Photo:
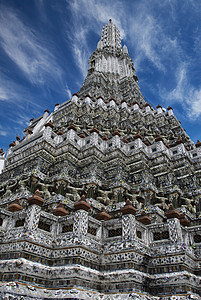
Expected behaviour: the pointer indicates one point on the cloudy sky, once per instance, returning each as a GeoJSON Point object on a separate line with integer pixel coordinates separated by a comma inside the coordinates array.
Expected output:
{"type": "Point", "coordinates": [45, 46]}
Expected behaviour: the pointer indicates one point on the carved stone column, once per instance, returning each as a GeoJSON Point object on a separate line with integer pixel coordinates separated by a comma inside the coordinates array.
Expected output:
{"type": "Point", "coordinates": [33, 213]}
{"type": "Point", "coordinates": [128, 227]}
{"type": "Point", "coordinates": [173, 217]}
{"type": "Point", "coordinates": [128, 221]}
{"type": "Point", "coordinates": [80, 226]}
{"type": "Point", "coordinates": [175, 232]}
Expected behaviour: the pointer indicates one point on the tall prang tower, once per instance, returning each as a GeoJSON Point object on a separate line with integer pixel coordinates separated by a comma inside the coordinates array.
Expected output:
{"type": "Point", "coordinates": [101, 198]}
{"type": "Point", "coordinates": [111, 71]}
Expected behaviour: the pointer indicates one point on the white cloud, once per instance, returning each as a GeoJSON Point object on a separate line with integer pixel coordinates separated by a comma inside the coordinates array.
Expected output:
{"type": "Point", "coordinates": [26, 49]}
{"type": "Point", "coordinates": [144, 32]}
{"type": "Point", "coordinates": [3, 133]}
{"type": "Point", "coordinates": [98, 13]}
{"type": "Point", "coordinates": [150, 38]}
{"type": "Point", "coordinates": [3, 94]}
{"type": "Point", "coordinates": [68, 91]}
{"type": "Point", "coordinates": [184, 93]}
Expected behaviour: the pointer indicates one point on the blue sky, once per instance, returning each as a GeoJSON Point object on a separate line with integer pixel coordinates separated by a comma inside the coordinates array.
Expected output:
{"type": "Point", "coordinates": [45, 46]}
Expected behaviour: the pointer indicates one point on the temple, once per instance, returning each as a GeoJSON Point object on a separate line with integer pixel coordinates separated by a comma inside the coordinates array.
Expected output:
{"type": "Point", "coordinates": [101, 198]}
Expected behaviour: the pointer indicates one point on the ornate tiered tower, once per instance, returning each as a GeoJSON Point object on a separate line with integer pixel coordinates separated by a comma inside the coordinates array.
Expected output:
{"type": "Point", "coordinates": [101, 198]}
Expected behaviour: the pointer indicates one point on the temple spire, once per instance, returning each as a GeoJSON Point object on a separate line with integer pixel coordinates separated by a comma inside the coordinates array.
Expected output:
{"type": "Point", "coordinates": [111, 67]}
{"type": "Point", "coordinates": [110, 37]}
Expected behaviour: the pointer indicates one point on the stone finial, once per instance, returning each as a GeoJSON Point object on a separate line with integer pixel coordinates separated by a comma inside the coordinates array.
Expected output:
{"type": "Point", "coordinates": [179, 141]}
{"type": "Point", "coordinates": [104, 138]}
{"type": "Point", "coordinates": [30, 131]}
{"type": "Point", "coordinates": [116, 132]}
{"type": "Point", "coordinates": [198, 144]}
{"type": "Point", "coordinates": [60, 132]}
{"type": "Point", "coordinates": [36, 199]}
{"type": "Point", "coordinates": [82, 135]}
{"type": "Point", "coordinates": [147, 104]}
{"type": "Point", "coordinates": [172, 212]}
{"type": "Point", "coordinates": [146, 142]}
{"type": "Point", "coordinates": [158, 106]}
{"type": "Point", "coordinates": [82, 204]}
{"type": "Point", "coordinates": [128, 208]}
{"type": "Point", "coordinates": [47, 110]}
{"type": "Point", "coordinates": [183, 220]}
{"type": "Point", "coordinates": [158, 139]}
{"type": "Point", "coordinates": [124, 140]}
{"type": "Point", "coordinates": [15, 206]}
{"type": "Point", "coordinates": [137, 136]}
{"type": "Point", "coordinates": [17, 138]}
{"type": "Point", "coordinates": [103, 215]}
{"type": "Point", "coordinates": [49, 124]}
{"type": "Point", "coordinates": [72, 126]}
{"type": "Point", "coordinates": [144, 219]}
{"type": "Point", "coordinates": [57, 104]}
{"type": "Point", "coordinates": [94, 130]}
{"type": "Point", "coordinates": [60, 210]}
{"type": "Point", "coordinates": [1, 151]}
{"type": "Point", "coordinates": [169, 108]}
{"type": "Point", "coordinates": [12, 144]}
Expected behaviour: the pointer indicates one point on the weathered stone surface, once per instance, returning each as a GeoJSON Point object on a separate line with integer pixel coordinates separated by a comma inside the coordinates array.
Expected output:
{"type": "Point", "coordinates": [91, 154]}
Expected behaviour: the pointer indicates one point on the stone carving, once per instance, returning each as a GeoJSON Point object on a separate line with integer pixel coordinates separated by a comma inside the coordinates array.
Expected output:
{"type": "Point", "coordinates": [100, 159]}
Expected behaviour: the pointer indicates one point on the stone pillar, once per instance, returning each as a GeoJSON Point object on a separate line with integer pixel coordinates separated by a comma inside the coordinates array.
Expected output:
{"type": "Point", "coordinates": [116, 141]}
{"type": "Point", "coordinates": [136, 106]}
{"type": "Point", "coordinates": [2, 161]}
{"type": "Point", "coordinates": [59, 138]}
{"type": "Point", "coordinates": [137, 141]}
{"type": "Point", "coordinates": [170, 111]}
{"type": "Point", "coordinates": [159, 109]}
{"type": "Point", "coordinates": [33, 213]}
{"type": "Point", "coordinates": [71, 132]}
{"type": "Point", "coordinates": [32, 219]}
{"type": "Point", "coordinates": [128, 221]}
{"type": "Point", "coordinates": [100, 102]}
{"type": "Point", "coordinates": [48, 130]}
{"type": "Point", "coordinates": [128, 227]}
{"type": "Point", "coordinates": [80, 226]}
{"type": "Point", "coordinates": [175, 231]}
{"type": "Point", "coordinates": [94, 138]}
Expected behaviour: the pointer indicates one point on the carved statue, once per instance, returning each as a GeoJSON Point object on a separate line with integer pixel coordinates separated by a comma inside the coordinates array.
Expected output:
{"type": "Point", "coordinates": [22, 183]}
{"type": "Point", "coordinates": [74, 195]}
{"type": "Point", "coordinates": [161, 202]}
{"type": "Point", "coordinates": [45, 190]}
{"type": "Point", "coordinates": [9, 186]}
{"type": "Point", "coordinates": [104, 196]}
{"type": "Point", "coordinates": [188, 204]}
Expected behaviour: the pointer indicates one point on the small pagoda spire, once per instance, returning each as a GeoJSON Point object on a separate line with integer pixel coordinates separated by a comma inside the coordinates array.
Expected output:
{"type": "Point", "coordinates": [144, 219]}
{"type": "Point", "coordinates": [15, 206]}
{"type": "Point", "coordinates": [82, 204]}
{"type": "Point", "coordinates": [103, 215]}
{"type": "Point", "coordinates": [60, 210]}
{"type": "Point", "coordinates": [36, 199]}
{"type": "Point", "coordinates": [128, 208]}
